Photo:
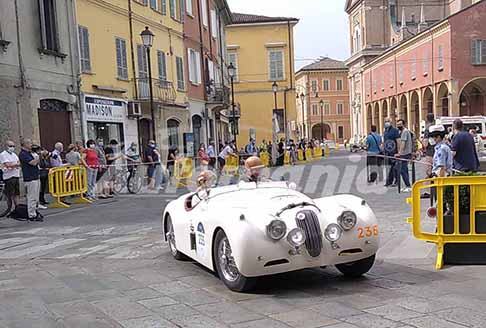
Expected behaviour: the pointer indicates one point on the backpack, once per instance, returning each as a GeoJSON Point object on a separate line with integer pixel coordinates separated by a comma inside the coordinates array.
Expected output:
{"type": "Point", "coordinates": [21, 213]}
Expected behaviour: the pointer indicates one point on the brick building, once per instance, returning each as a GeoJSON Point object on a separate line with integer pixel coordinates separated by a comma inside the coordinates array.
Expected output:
{"type": "Point", "coordinates": [440, 70]}
{"type": "Point", "coordinates": [392, 39]}
{"type": "Point", "coordinates": [323, 100]}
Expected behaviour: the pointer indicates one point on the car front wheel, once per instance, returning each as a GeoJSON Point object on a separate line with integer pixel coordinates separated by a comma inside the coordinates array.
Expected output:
{"type": "Point", "coordinates": [170, 236]}
{"type": "Point", "coordinates": [226, 266]}
{"type": "Point", "coordinates": [358, 268]}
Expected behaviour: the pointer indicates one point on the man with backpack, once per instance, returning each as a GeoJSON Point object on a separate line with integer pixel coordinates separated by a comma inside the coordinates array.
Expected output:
{"type": "Point", "coordinates": [374, 160]}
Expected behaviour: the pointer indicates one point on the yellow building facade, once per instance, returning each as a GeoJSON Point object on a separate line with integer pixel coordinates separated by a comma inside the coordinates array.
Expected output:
{"type": "Point", "coordinates": [262, 50]}
{"type": "Point", "coordinates": [114, 71]}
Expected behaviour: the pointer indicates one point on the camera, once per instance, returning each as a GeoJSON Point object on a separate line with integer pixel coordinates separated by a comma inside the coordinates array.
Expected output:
{"type": "Point", "coordinates": [36, 148]}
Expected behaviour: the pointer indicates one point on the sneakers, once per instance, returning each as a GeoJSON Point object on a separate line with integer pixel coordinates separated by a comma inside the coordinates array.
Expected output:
{"type": "Point", "coordinates": [407, 189]}
{"type": "Point", "coordinates": [41, 207]}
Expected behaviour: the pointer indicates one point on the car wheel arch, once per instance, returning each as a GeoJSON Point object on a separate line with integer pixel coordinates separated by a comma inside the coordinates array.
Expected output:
{"type": "Point", "coordinates": [213, 255]}
{"type": "Point", "coordinates": [164, 224]}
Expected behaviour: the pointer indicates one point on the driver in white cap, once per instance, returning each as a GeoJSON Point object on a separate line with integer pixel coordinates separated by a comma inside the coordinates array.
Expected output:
{"type": "Point", "coordinates": [443, 159]}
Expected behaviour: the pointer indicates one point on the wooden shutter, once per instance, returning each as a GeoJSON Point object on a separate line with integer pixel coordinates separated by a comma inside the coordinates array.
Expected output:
{"type": "Point", "coordinates": [482, 44]}
{"type": "Point", "coordinates": [172, 8]}
{"type": "Point", "coordinates": [142, 62]}
{"type": "Point", "coordinates": [42, 22]}
{"type": "Point", "coordinates": [84, 49]}
{"type": "Point", "coordinates": [121, 58]}
{"type": "Point", "coordinates": [119, 70]}
{"type": "Point", "coordinates": [198, 67]}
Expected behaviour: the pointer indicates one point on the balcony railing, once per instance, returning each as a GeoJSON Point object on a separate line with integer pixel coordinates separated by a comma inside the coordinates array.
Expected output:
{"type": "Point", "coordinates": [218, 94]}
{"type": "Point", "coordinates": [163, 91]}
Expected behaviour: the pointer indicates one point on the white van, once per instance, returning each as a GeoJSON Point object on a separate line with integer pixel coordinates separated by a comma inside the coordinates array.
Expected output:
{"type": "Point", "coordinates": [477, 123]}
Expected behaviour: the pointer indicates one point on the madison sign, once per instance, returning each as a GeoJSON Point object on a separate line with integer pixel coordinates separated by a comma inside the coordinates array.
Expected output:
{"type": "Point", "coordinates": [104, 109]}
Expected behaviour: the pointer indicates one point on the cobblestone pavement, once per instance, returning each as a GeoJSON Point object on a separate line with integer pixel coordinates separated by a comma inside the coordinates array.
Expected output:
{"type": "Point", "coordinates": [106, 266]}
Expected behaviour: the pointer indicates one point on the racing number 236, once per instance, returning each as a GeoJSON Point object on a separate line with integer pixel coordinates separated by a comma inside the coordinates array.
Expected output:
{"type": "Point", "coordinates": [368, 231]}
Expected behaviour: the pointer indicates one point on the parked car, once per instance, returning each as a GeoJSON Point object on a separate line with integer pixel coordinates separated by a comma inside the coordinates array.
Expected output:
{"type": "Point", "coordinates": [249, 230]}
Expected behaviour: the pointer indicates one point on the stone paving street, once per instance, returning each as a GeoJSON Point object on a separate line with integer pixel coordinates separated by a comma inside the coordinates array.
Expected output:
{"type": "Point", "coordinates": [107, 266]}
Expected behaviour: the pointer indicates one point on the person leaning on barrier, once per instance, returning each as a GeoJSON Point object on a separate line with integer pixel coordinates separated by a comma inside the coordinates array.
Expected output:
{"type": "Point", "coordinates": [442, 161]}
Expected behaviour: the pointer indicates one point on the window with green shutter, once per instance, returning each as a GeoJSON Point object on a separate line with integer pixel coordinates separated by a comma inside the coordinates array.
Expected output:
{"type": "Point", "coordinates": [121, 59]}
{"type": "Point", "coordinates": [172, 8]}
{"type": "Point", "coordinates": [180, 74]}
{"type": "Point", "coordinates": [162, 65]}
{"type": "Point", "coordinates": [84, 49]}
{"type": "Point", "coordinates": [276, 69]}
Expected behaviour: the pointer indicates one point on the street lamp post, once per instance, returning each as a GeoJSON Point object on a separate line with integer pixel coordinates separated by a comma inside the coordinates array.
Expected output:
{"type": "Point", "coordinates": [322, 119]}
{"type": "Point", "coordinates": [232, 72]}
{"type": "Point", "coordinates": [148, 40]}
{"type": "Point", "coordinates": [274, 127]}
{"type": "Point", "coordinates": [302, 99]}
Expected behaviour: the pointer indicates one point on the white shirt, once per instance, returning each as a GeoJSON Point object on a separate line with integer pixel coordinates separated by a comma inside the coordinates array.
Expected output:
{"type": "Point", "coordinates": [6, 157]}
{"type": "Point", "coordinates": [225, 152]}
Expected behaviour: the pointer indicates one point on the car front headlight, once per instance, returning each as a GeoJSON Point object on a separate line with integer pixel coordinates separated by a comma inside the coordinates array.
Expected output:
{"type": "Point", "coordinates": [296, 237]}
{"type": "Point", "coordinates": [333, 232]}
{"type": "Point", "coordinates": [347, 220]}
{"type": "Point", "coordinates": [276, 230]}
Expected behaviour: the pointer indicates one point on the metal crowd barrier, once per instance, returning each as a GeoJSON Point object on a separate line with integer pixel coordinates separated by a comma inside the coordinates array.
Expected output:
{"type": "Point", "coordinates": [459, 211]}
{"type": "Point", "coordinates": [232, 164]}
{"type": "Point", "coordinates": [183, 170]}
{"type": "Point", "coordinates": [265, 157]}
{"type": "Point", "coordinates": [67, 181]}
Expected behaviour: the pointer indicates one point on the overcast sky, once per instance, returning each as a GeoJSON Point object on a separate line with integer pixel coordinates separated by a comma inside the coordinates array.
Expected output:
{"type": "Point", "coordinates": [322, 30]}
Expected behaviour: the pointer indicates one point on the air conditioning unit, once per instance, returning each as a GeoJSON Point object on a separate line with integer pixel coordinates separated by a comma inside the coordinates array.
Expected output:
{"type": "Point", "coordinates": [134, 109]}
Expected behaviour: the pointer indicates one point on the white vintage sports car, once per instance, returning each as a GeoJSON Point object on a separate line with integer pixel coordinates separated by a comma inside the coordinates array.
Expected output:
{"type": "Point", "coordinates": [250, 229]}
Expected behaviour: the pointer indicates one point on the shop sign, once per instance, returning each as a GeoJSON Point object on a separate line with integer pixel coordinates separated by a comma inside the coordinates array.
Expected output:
{"type": "Point", "coordinates": [104, 109]}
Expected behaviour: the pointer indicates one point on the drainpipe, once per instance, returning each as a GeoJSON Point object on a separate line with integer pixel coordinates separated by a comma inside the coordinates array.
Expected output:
{"type": "Point", "coordinates": [76, 76]}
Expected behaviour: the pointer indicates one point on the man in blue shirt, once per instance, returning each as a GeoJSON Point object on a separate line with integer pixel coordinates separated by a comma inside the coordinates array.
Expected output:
{"type": "Point", "coordinates": [390, 148]}
{"type": "Point", "coordinates": [29, 162]}
{"type": "Point", "coordinates": [373, 160]}
{"type": "Point", "coordinates": [464, 149]}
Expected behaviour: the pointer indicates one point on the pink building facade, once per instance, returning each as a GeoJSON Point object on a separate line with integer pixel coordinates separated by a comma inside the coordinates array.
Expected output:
{"type": "Point", "coordinates": [441, 70]}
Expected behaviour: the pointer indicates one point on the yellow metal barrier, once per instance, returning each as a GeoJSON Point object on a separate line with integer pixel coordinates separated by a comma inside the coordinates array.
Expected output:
{"type": "Point", "coordinates": [453, 225]}
{"type": "Point", "coordinates": [183, 169]}
{"type": "Point", "coordinates": [308, 154]}
{"type": "Point", "coordinates": [318, 152]}
{"type": "Point", "coordinates": [265, 157]}
{"type": "Point", "coordinates": [232, 164]}
{"type": "Point", "coordinates": [286, 158]}
{"type": "Point", "coordinates": [300, 155]}
{"type": "Point", "coordinates": [327, 151]}
{"type": "Point", "coordinates": [67, 181]}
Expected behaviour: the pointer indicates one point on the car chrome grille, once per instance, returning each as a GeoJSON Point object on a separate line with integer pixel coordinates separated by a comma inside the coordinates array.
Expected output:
{"type": "Point", "coordinates": [309, 222]}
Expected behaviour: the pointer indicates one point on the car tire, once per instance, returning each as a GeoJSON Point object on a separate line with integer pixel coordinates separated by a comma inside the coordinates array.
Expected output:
{"type": "Point", "coordinates": [235, 281]}
{"type": "Point", "coordinates": [358, 268]}
{"type": "Point", "coordinates": [169, 231]}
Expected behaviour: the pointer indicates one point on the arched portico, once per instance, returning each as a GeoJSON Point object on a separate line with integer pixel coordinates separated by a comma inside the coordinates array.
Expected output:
{"type": "Point", "coordinates": [472, 100]}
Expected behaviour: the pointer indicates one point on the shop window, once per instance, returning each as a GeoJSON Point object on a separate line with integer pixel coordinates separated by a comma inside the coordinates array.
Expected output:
{"type": "Point", "coordinates": [278, 114]}
{"type": "Point", "coordinates": [106, 131]}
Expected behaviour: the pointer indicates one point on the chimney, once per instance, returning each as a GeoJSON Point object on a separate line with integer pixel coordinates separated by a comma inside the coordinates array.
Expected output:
{"type": "Point", "coordinates": [423, 24]}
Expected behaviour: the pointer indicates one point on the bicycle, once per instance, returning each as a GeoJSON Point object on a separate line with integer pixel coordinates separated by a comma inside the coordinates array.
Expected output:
{"type": "Point", "coordinates": [5, 201]}
{"type": "Point", "coordinates": [133, 180]}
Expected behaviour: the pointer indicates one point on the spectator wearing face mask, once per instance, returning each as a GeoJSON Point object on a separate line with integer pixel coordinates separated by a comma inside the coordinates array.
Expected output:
{"type": "Point", "coordinates": [390, 148]}
{"type": "Point", "coordinates": [91, 159]}
{"type": "Point", "coordinates": [44, 167]}
{"type": "Point", "coordinates": [29, 160]}
{"type": "Point", "coordinates": [405, 149]}
{"type": "Point", "coordinates": [10, 164]}
{"type": "Point", "coordinates": [152, 159]}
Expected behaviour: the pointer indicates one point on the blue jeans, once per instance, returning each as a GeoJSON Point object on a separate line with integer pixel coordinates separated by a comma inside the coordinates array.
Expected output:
{"type": "Point", "coordinates": [92, 173]}
{"type": "Point", "coordinates": [403, 169]}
